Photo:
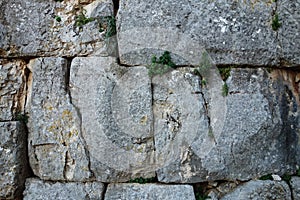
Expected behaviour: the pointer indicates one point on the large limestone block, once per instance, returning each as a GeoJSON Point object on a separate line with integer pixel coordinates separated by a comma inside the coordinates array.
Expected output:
{"type": "Point", "coordinates": [12, 87]}
{"type": "Point", "coordinates": [233, 32]}
{"type": "Point", "coordinates": [13, 159]}
{"type": "Point", "coordinates": [149, 192]}
{"type": "Point", "coordinates": [56, 148]}
{"type": "Point", "coordinates": [295, 186]}
{"type": "Point", "coordinates": [48, 28]}
{"type": "Point", "coordinates": [115, 105]}
{"type": "Point", "coordinates": [42, 190]}
{"type": "Point", "coordinates": [289, 32]}
{"type": "Point", "coordinates": [257, 190]}
{"type": "Point", "coordinates": [200, 136]}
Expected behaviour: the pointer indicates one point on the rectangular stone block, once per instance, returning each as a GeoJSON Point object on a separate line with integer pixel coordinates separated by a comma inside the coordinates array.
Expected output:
{"type": "Point", "coordinates": [149, 192]}
{"type": "Point", "coordinates": [232, 32]}
{"type": "Point", "coordinates": [13, 159]}
{"type": "Point", "coordinates": [38, 189]}
{"type": "Point", "coordinates": [289, 32]}
{"type": "Point", "coordinates": [12, 87]}
{"type": "Point", "coordinates": [115, 104]}
{"type": "Point", "coordinates": [201, 135]}
{"type": "Point", "coordinates": [56, 148]}
{"type": "Point", "coordinates": [56, 28]}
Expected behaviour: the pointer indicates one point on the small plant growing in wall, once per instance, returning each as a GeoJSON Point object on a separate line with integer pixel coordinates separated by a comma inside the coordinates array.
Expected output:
{"type": "Point", "coordinates": [108, 24]}
{"type": "Point", "coordinates": [161, 65]}
{"type": "Point", "coordinates": [22, 117]}
{"type": "Point", "coordinates": [225, 90]}
{"type": "Point", "coordinates": [275, 22]}
{"type": "Point", "coordinates": [142, 180]}
{"type": "Point", "coordinates": [81, 19]}
{"type": "Point", "coordinates": [225, 73]}
{"type": "Point", "coordinates": [57, 18]}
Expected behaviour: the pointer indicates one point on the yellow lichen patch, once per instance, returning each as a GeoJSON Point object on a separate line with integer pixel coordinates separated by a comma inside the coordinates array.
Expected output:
{"type": "Point", "coordinates": [67, 115]}
{"type": "Point", "coordinates": [144, 120]}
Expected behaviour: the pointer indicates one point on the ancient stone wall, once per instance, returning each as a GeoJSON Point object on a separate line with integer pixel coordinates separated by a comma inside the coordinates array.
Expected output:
{"type": "Point", "coordinates": [153, 99]}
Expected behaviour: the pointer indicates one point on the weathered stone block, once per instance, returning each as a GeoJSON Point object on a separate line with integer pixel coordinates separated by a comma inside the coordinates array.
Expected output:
{"type": "Point", "coordinates": [115, 105]}
{"type": "Point", "coordinates": [13, 159]}
{"type": "Point", "coordinates": [38, 189]}
{"type": "Point", "coordinates": [56, 148]}
{"type": "Point", "coordinates": [53, 28]}
{"type": "Point", "coordinates": [295, 186]}
{"type": "Point", "coordinates": [149, 192]}
{"type": "Point", "coordinates": [232, 32]}
{"type": "Point", "coordinates": [260, 190]}
{"type": "Point", "coordinates": [12, 86]}
{"type": "Point", "coordinates": [289, 32]}
{"type": "Point", "coordinates": [200, 136]}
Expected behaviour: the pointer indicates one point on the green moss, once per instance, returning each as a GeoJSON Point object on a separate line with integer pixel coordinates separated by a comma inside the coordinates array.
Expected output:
{"type": "Point", "coordinates": [108, 24]}
{"type": "Point", "coordinates": [275, 23]}
{"type": "Point", "coordinates": [81, 20]}
{"type": "Point", "coordinates": [225, 90]}
{"type": "Point", "coordinates": [224, 72]}
{"type": "Point", "coordinates": [161, 65]}
{"type": "Point", "coordinates": [22, 117]}
{"type": "Point", "coordinates": [266, 177]}
{"type": "Point", "coordinates": [286, 177]}
{"type": "Point", "coordinates": [58, 18]}
{"type": "Point", "coordinates": [142, 180]}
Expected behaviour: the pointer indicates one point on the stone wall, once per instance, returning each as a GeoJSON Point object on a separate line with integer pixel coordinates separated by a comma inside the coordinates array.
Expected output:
{"type": "Point", "coordinates": [152, 99]}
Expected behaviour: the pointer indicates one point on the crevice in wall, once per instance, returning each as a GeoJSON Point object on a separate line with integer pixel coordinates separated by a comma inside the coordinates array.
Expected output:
{"type": "Point", "coordinates": [27, 93]}
{"type": "Point", "coordinates": [105, 185]}
{"type": "Point", "coordinates": [116, 6]}
{"type": "Point", "coordinates": [153, 120]}
{"type": "Point", "coordinates": [67, 87]}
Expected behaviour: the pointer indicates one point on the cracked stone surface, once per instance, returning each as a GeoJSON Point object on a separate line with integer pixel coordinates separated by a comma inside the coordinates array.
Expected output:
{"type": "Point", "coordinates": [258, 137]}
{"type": "Point", "coordinates": [38, 189]}
{"type": "Point", "coordinates": [115, 107]}
{"type": "Point", "coordinates": [31, 28]}
{"type": "Point", "coordinates": [13, 159]}
{"type": "Point", "coordinates": [232, 32]}
{"type": "Point", "coordinates": [260, 190]}
{"type": "Point", "coordinates": [149, 191]}
{"type": "Point", "coordinates": [12, 87]}
{"type": "Point", "coordinates": [56, 147]}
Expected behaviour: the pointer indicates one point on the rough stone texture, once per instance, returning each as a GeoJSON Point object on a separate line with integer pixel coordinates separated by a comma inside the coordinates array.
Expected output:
{"type": "Point", "coordinates": [232, 32]}
{"type": "Point", "coordinates": [257, 190]}
{"type": "Point", "coordinates": [56, 148]}
{"type": "Point", "coordinates": [258, 136]}
{"type": "Point", "coordinates": [295, 186]}
{"type": "Point", "coordinates": [149, 192]}
{"type": "Point", "coordinates": [12, 87]}
{"type": "Point", "coordinates": [13, 159]}
{"type": "Point", "coordinates": [114, 103]}
{"type": "Point", "coordinates": [29, 28]}
{"type": "Point", "coordinates": [289, 32]}
{"type": "Point", "coordinates": [42, 190]}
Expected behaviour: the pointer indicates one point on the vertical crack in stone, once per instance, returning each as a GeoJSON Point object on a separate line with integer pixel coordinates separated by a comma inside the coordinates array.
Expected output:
{"type": "Point", "coordinates": [153, 121]}
{"type": "Point", "coordinates": [67, 86]}
{"type": "Point", "coordinates": [116, 6]}
{"type": "Point", "coordinates": [206, 108]}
